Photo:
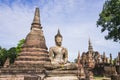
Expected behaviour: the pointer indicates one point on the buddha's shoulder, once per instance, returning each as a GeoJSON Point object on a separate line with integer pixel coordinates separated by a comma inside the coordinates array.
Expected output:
{"type": "Point", "coordinates": [53, 47]}
{"type": "Point", "coordinates": [64, 48]}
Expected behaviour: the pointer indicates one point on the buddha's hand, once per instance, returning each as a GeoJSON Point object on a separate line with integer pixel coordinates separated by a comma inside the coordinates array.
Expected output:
{"type": "Point", "coordinates": [61, 62]}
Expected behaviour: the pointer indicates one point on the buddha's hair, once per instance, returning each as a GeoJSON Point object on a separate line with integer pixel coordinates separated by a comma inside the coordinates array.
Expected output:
{"type": "Point", "coordinates": [58, 35]}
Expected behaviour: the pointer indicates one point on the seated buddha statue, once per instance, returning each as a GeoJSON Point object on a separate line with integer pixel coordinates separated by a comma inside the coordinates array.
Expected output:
{"type": "Point", "coordinates": [59, 55]}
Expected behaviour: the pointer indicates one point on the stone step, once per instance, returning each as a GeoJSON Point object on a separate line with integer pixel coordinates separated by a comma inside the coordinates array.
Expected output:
{"type": "Point", "coordinates": [24, 65]}
{"type": "Point", "coordinates": [21, 70]}
{"type": "Point", "coordinates": [33, 54]}
{"type": "Point", "coordinates": [62, 78]}
{"type": "Point", "coordinates": [31, 62]}
{"type": "Point", "coordinates": [32, 49]}
{"type": "Point", "coordinates": [32, 59]}
{"type": "Point", "coordinates": [64, 73]}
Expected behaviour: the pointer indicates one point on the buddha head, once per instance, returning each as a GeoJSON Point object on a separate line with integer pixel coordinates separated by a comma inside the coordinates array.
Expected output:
{"type": "Point", "coordinates": [58, 39]}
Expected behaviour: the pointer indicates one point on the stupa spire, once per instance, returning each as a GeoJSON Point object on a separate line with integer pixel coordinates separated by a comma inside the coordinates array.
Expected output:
{"type": "Point", "coordinates": [90, 48]}
{"type": "Point", "coordinates": [36, 21]}
{"type": "Point", "coordinates": [78, 55]}
{"type": "Point", "coordinates": [36, 37]}
{"type": "Point", "coordinates": [78, 61]}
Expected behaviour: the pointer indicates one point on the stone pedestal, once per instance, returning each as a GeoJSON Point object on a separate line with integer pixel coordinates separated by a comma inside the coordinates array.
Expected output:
{"type": "Point", "coordinates": [63, 75]}
{"type": "Point", "coordinates": [11, 77]}
{"type": "Point", "coordinates": [62, 78]}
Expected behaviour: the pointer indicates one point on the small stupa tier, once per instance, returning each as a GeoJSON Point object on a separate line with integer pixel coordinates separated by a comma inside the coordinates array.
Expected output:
{"type": "Point", "coordinates": [34, 50]}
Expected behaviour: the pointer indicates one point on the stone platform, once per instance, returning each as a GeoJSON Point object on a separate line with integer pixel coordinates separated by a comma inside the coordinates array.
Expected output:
{"type": "Point", "coordinates": [21, 73]}
{"type": "Point", "coordinates": [62, 78]}
{"type": "Point", "coordinates": [35, 77]}
{"type": "Point", "coordinates": [32, 74]}
{"type": "Point", "coordinates": [36, 73]}
{"type": "Point", "coordinates": [63, 75]}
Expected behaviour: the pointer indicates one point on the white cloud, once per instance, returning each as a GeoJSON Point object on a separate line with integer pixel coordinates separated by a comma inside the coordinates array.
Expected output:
{"type": "Point", "coordinates": [15, 24]}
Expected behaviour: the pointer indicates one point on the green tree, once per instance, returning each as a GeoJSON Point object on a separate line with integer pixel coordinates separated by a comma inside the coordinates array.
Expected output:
{"type": "Point", "coordinates": [12, 54]}
{"type": "Point", "coordinates": [109, 19]}
{"type": "Point", "coordinates": [75, 60]}
{"type": "Point", "coordinates": [3, 55]}
{"type": "Point", "coordinates": [19, 45]}
{"type": "Point", "coordinates": [14, 51]}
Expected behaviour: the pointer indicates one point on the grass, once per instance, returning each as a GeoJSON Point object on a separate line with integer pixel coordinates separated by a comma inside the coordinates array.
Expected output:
{"type": "Point", "coordinates": [99, 78]}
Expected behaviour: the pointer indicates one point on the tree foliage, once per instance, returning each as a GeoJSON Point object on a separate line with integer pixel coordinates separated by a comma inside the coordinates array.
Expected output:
{"type": "Point", "coordinates": [109, 19]}
{"type": "Point", "coordinates": [75, 60]}
{"type": "Point", "coordinates": [3, 55]}
{"type": "Point", "coordinates": [10, 53]}
{"type": "Point", "coordinates": [19, 45]}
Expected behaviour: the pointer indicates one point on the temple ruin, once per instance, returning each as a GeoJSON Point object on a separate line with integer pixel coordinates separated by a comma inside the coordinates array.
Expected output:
{"type": "Point", "coordinates": [35, 62]}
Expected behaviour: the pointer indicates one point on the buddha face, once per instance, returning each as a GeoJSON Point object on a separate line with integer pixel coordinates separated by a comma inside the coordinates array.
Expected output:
{"type": "Point", "coordinates": [58, 41]}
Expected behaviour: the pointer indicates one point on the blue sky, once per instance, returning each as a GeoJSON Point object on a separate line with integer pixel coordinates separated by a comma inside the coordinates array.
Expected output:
{"type": "Point", "coordinates": [76, 20]}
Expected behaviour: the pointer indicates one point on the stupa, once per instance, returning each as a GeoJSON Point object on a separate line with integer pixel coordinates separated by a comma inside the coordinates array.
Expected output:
{"type": "Point", "coordinates": [29, 65]}
{"type": "Point", "coordinates": [34, 50]}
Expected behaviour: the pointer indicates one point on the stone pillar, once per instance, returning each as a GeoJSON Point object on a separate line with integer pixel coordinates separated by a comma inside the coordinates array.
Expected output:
{"type": "Point", "coordinates": [118, 64]}
{"type": "Point", "coordinates": [7, 62]}
{"type": "Point", "coordinates": [110, 58]}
